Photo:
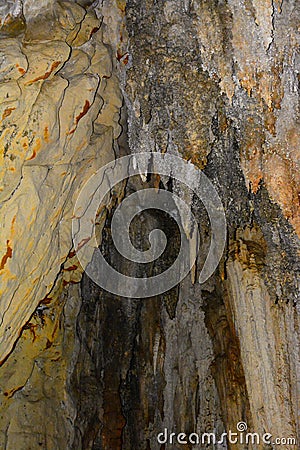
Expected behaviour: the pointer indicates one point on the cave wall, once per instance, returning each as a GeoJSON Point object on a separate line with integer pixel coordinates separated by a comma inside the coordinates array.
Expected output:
{"type": "Point", "coordinates": [60, 104]}
{"type": "Point", "coordinates": [82, 83]}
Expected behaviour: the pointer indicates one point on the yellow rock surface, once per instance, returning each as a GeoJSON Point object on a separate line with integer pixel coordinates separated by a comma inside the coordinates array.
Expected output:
{"type": "Point", "coordinates": [59, 118]}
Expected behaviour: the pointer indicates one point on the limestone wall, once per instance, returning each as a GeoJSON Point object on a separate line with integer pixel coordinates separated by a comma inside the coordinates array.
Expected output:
{"type": "Point", "coordinates": [82, 83]}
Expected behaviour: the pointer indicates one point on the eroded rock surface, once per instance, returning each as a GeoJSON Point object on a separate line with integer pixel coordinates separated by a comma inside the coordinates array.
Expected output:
{"type": "Point", "coordinates": [59, 119]}
{"type": "Point", "coordinates": [217, 83]}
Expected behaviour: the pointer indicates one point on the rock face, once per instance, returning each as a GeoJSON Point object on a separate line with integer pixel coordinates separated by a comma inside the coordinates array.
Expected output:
{"type": "Point", "coordinates": [61, 104]}
{"type": "Point", "coordinates": [82, 83]}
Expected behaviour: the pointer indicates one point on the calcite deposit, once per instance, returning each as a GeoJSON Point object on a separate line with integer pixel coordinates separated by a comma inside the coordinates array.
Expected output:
{"type": "Point", "coordinates": [82, 83]}
{"type": "Point", "coordinates": [60, 116]}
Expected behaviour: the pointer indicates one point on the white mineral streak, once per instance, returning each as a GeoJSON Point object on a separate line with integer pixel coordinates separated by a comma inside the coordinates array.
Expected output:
{"type": "Point", "coordinates": [155, 350]}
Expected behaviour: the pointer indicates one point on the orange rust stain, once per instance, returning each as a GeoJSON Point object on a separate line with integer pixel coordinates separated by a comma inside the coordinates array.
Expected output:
{"type": "Point", "coordinates": [80, 115]}
{"type": "Point", "coordinates": [46, 134]}
{"type": "Point", "coordinates": [119, 55]}
{"type": "Point", "coordinates": [125, 60]}
{"type": "Point", "coordinates": [45, 301]}
{"type": "Point", "coordinates": [35, 149]}
{"type": "Point", "coordinates": [12, 227]}
{"type": "Point", "coordinates": [83, 112]}
{"type": "Point", "coordinates": [13, 221]}
{"type": "Point", "coordinates": [56, 327]}
{"type": "Point", "coordinates": [48, 344]}
{"type": "Point", "coordinates": [74, 267]}
{"type": "Point", "coordinates": [66, 283]}
{"type": "Point", "coordinates": [32, 156]}
{"type": "Point", "coordinates": [122, 56]}
{"type": "Point", "coordinates": [20, 69]}
{"type": "Point", "coordinates": [7, 255]}
{"type": "Point", "coordinates": [94, 30]}
{"type": "Point", "coordinates": [11, 392]}
{"type": "Point", "coordinates": [279, 180]}
{"type": "Point", "coordinates": [7, 112]}
{"type": "Point", "coordinates": [71, 254]}
{"type": "Point", "coordinates": [83, 242]}
{"type": "Point", "coordinates": [54, 65]}
{"type": "Point", "coordinates": [31, 327]}
{"type": "Point", "coordinates": [156, 181]}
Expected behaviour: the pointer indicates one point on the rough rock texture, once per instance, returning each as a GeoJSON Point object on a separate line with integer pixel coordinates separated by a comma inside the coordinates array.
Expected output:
{"type": "Point", "coordinates": [60, 114]}
{"type": "Point", "coordinates": [60, 107]}
{"type": "Point", "coordinates": [217, 83]}
{"type": "Point", "coordinates": [206, 82]}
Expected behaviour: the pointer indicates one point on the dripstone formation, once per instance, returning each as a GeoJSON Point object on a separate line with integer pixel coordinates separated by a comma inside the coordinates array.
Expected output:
{"type": "Point", "coordinates": [81, 84]}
